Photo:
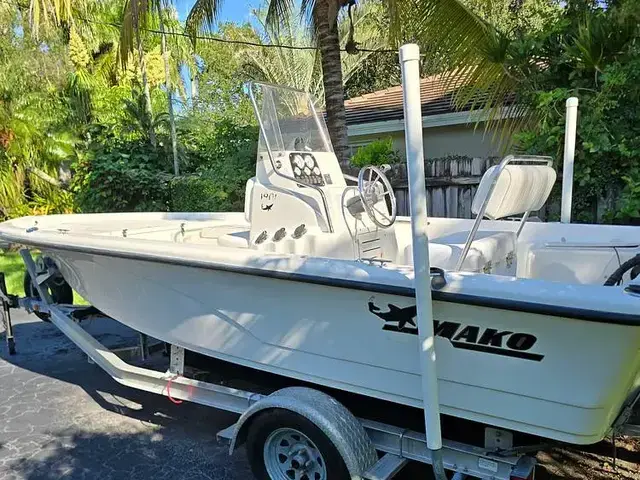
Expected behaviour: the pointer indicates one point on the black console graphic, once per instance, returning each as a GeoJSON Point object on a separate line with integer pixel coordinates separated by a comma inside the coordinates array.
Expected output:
{"type": "Point", "coordinates": [306, 169]}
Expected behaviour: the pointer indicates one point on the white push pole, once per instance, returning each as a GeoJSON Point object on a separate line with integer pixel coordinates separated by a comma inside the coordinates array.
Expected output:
{"type": "Point", "coordinates": [569, 155]}
{"type": "Point", "coordinates": [410, 64]}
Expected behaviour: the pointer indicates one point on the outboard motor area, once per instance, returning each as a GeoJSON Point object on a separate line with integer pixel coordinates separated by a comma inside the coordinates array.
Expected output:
{"type": "Point", "coordinates": [299, 201]}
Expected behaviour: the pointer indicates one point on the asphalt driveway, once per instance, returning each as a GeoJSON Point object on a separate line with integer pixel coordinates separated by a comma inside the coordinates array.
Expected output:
{"type": "Point", "coordinates": [61, 417]}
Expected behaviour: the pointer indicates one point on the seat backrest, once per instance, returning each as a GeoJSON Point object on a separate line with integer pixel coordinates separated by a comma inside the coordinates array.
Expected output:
{"type": "Point", "coordinates": [518, 189]}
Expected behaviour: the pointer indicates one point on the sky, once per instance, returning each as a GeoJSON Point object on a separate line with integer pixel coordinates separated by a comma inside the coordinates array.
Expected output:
{"type": "Point", "coordinates": [231, 11]}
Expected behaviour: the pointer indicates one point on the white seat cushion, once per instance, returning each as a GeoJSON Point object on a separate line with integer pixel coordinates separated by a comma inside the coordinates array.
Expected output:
{"type": "Point", "coordinates": [490, 252]}
{"type": "Point", "coordinates": [518, 189]}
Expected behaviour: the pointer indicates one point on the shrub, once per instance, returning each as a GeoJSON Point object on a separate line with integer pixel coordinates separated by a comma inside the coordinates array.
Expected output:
{"type": "Point", "coordinates": [121, 176]}
{"type": "Point", "coordinates": [378, 152]}
{"type": "Point", "coordinates": [629, 210]}
{"type": "Point", "coordinates": [119, 173]}
{"type": "Point", "coordinates": [222, 157]}
{"type": "Point", "coordinates": [201, 193]}
{"type": "Point", "coordinates": [215, 190]}
{"type": "Point", "coordinates": [593, 54]}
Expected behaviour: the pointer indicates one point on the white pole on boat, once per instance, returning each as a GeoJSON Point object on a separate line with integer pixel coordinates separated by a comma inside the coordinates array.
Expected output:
{"type": "Point", "coordinates": [569, 155]}
{"type": "Point", "coordinates": [410, 64]}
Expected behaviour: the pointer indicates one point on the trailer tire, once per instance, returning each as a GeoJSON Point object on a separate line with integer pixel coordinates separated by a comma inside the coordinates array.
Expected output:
{"type": "Point", "coordinates": [324, 462]}
{"type": "Point", "coordinates": [61, 292]}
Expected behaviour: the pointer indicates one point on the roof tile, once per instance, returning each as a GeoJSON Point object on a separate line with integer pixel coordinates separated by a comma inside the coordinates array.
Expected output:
{"type": "Point", "coordinates": [436, 93]}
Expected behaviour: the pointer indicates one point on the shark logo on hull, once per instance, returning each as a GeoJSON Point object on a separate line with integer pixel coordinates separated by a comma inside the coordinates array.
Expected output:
{"type": "Point", "coordinates": [466, 337]}
{"type": "Point", "coordinates": [397, 315]}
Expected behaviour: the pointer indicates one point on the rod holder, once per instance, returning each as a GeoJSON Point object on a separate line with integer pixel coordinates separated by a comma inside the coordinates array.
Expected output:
{"type": "Point", "coordinates": [569, 156]}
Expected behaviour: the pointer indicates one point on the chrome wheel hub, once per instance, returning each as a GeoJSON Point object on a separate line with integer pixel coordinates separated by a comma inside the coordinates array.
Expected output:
{"type": "Point", "coordinates": [290, 455]}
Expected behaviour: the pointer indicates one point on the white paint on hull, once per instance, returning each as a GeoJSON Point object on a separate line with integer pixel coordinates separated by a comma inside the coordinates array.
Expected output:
{"type": "Point", "coordinates": [327, 336]}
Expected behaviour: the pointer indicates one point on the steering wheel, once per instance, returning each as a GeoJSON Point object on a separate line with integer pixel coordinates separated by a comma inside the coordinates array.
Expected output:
{"type": "Point", "coordinates": [374, 186]}
{"type": "Point", "coordinates": [616, 277]}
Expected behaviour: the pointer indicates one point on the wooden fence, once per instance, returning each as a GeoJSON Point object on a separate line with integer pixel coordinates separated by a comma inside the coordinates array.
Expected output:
{"type": "Point", "coordinates": [451, 184]}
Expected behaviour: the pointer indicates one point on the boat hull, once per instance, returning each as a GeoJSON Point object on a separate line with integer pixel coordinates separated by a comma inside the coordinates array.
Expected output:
{"type": "Point", "coordinates": [557, 377]}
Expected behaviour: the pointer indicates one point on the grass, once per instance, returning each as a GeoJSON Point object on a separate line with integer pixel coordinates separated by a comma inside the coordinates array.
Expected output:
{"type": "Point", "coordinates": [13, 267]}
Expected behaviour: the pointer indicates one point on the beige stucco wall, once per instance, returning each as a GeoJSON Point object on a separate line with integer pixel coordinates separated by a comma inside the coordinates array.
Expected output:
{"type": "Point", "coordinates": [443, 141]}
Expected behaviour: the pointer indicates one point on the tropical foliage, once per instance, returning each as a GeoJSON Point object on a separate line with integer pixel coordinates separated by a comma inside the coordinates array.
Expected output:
{"type": "Point", "coordinates": [87, 90]}
{"type": "Point", "coordinates": [34, 141]}
{"type": "Point", "coordinates": [592, 53]}
{"type": "Point", "coordinates": [380, 152]}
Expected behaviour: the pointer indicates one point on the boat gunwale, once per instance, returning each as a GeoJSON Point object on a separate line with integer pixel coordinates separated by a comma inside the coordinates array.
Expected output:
{"type": "Point", "coordinates": [589, 315]}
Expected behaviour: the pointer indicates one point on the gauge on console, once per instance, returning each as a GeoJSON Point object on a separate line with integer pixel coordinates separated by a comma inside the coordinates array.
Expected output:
{"type": "Point", "coordinates": [306, 169]}
{"type": "Point", "coordinates": [299, 161]}
{"type": "Point", "coordinates": [309, 161]}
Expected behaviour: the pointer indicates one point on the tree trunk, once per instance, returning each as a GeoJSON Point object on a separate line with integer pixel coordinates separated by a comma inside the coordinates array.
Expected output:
{"type": "Point", "coordinates": [329, 44]}
{"type": "Point", "coordinates": [167, 83]}
{"type": "Point", "coordinates": [44, 176]}
{"type": "Point", "coordinates": [145, 87]}
{"type": "Point", "coordinates": [195, 86]}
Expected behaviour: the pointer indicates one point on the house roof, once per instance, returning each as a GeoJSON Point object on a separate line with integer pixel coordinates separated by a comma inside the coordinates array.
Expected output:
{"type": "Point", "coordinates": [436, 93]}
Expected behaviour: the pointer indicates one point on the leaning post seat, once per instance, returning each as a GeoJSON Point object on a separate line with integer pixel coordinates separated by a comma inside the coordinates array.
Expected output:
{"type": "Point", "coordinates": [516, 186]}
{"type": "Point", "coordinates": [513, 190]}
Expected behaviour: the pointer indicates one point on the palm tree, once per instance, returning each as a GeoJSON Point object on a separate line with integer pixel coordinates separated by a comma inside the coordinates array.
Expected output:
{"type": "Point", "coordinates": [451, 30]}
{"type": "Point", "coordinates": [301, 69]}
{"type": "Point", "coordinates": [43, 13]}
{"type": "Point", "coordinates": [455, 38]}
{"type": "Point", "coordinates": [138, 14]}
{"type": "Point", "coordinates": [135, 20]}
{"type": "Point", "coordinates": [322, 16]}
{"type": "Point", "coordinates": [167, 81]}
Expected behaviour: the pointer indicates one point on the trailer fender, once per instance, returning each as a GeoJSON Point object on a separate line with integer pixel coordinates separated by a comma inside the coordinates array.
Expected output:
{"type": "Point", "coordinates": [330, 416]}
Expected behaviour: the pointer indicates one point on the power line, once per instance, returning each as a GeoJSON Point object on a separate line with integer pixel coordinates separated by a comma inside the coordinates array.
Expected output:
{"type": "Point", "coordinates": [225, 40]}
{"type": "Point", "coordinates": [215, 39]}
{"type": "Point", "coordinates": [233, 42]}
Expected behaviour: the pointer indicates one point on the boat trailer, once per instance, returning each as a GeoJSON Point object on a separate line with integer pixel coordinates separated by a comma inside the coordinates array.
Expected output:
{"type": "Point", "coordinates": [357, 439]}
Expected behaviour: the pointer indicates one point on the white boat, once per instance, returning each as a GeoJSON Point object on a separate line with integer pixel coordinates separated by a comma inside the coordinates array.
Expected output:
{"type": "Point", "coordinates": [314, 281]}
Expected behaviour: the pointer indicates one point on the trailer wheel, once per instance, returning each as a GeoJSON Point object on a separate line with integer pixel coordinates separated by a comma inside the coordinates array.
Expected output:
{"type": "Point", "coordinates": [282, 445]}
{"type": "Point", "coordinates": [60, 291]}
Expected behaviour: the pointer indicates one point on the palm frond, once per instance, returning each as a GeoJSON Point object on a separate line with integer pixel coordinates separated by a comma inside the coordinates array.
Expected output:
{"type": "Point", "coordinates": [279, 12]}
{"type": "Point", "coordinates": [203, 14]}
{"type": "Point", "coordinates": [472, 56]}
{"type": "Point", "coordinates": [306, 10]}
{"type": "Point", "coordinates": [136, 16]}
{"type": "Point", "coordinates": [444, 28]}
{"type": "Point", "coordinates": [42, 13]}
{"type": "Point", "coordinates": [301, 69]}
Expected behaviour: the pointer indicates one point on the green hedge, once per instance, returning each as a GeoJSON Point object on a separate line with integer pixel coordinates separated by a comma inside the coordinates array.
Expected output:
{"type": "Point", "coordinates": [378, 152]}
{"type": "Point", "coordinates": [121, 175]}
{"type": "Point", "coordinates": [204, 193]}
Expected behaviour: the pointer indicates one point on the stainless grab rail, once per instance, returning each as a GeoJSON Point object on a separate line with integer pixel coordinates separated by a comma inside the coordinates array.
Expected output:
{"type": "Point", "coordinates": [496, 174]}
{"type": "Point", "coordinates": [270, 153]}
